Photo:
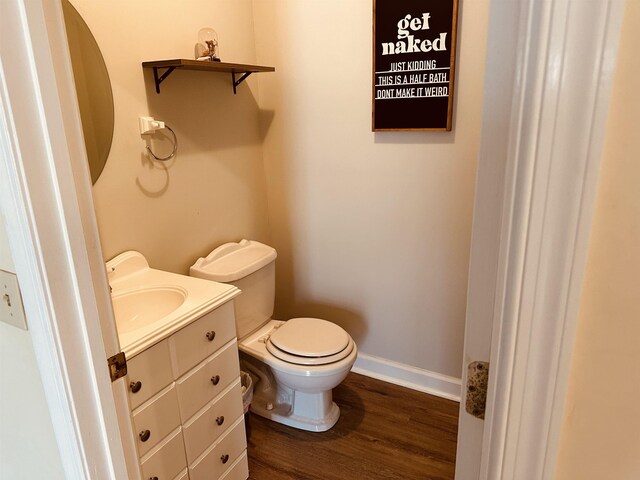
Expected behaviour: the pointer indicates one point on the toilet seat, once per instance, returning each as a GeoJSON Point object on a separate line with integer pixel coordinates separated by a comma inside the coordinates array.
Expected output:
{"type": "Point", "coordinates": [309, 341]}
{"type": "Point", "coordinates": [308, 361]}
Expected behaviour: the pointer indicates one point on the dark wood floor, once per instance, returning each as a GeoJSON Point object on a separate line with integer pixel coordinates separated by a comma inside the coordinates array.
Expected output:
{"type": "Point", "coordinates": [384, 432]}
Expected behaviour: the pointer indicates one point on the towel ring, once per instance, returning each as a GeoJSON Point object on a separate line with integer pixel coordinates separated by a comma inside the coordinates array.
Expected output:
{"type": "Point", "coordinates": [175, 147]}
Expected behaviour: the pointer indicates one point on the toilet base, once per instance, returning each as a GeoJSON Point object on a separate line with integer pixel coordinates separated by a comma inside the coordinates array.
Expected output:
{"type": "Point", "coordinates": [310, 412]}
{"type": "Point", "coordinates": [313, 412]}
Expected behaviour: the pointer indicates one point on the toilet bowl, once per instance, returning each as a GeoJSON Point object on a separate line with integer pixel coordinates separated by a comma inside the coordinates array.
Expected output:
{"type": "Point", "coordinates": [295, 363]}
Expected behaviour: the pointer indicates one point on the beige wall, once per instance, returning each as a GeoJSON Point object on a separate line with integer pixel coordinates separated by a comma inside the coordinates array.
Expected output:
{"type": "Point", "coordinates": [601, 431]}
{"type": "Point", "coordinates": [372, 230]}
{"type": "Point", "coordinates": [214, 191]}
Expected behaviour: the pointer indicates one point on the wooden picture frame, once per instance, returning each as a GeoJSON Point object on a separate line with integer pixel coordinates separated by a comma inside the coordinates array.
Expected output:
{"type": "Point", "coordinates": [414, 56]}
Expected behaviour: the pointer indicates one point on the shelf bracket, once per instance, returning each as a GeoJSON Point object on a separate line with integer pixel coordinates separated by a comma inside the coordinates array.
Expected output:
{"type": "Point", "coordinates": [239, 81]}
{"type": "Point", "coordinates": [161, 78]}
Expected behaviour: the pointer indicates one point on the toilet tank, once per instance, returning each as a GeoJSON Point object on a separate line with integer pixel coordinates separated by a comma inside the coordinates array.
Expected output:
{"type": "Point", "coordinates": [250, 266]}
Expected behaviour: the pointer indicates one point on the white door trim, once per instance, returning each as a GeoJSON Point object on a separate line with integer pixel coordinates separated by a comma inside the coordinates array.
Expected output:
{"type": "Point", "coordinates": [565, 57]}
{"type": "Point", "coordinates": [46, 201]}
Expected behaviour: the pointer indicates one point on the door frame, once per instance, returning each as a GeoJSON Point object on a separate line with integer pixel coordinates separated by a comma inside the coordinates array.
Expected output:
{"type": "Point", "coordinates": [46, 200]}
{"type": "Point", "coordinates": [543, 129]}
{"type": "Point", "coordinates": [45, 197]}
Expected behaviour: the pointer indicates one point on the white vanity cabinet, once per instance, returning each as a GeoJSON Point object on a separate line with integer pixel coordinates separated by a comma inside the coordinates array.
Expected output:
{"type": "Point", "coordinates": [186, 403]}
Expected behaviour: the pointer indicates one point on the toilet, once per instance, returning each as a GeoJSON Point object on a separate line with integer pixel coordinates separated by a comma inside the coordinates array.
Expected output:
{"type": "Point", "coordinates": [296, 362]}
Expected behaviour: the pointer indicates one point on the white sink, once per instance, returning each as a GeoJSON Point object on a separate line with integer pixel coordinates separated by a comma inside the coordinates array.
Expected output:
{"type": "Point", "coordinates": [150, 304]}
{"type": "Point", "coordinates": [138, 308]}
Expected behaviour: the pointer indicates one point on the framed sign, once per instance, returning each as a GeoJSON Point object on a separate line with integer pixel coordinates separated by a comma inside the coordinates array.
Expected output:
{"type": "Point", "coordinates": [414, 56]}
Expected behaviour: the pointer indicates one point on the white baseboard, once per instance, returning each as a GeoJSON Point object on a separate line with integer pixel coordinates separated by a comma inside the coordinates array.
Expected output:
{"type": "Point", "coordinates": [408, 376]}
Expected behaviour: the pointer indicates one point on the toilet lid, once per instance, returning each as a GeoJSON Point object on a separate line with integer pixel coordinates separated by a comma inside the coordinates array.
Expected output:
{"type": "Point", "coordinates": [310, 337]}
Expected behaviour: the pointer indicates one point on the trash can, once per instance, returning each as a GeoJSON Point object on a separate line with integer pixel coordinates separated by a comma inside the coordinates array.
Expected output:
{"type": "Point", "coordinates": [246, 384]}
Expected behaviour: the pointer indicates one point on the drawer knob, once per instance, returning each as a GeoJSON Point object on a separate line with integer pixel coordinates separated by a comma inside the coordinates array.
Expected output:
{"type": "Point", "coordinates": [211, 335]}
{"type": "Point", "coordinates": [220, 420]}
{"type": "Point", "coordinates": [153, 478]}
{"type": "Point", "coordinates": [145, 435]}
{"type": "Point", "coordinates": [215, 379]}
{"type": "Point", "coordinates": [135, 386]}
{"type": "Point", "coordinates": [224, 458]}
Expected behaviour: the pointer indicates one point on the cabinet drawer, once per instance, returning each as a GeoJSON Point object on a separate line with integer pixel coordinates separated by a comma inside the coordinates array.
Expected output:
{"type": "Point", "coordinates": [221, 455]}
{"type": "Point", "coordinates": [155, 419]}
{"type": "Point", "coordinates": [211, 422]}
{"type": "Point", "coordinates": [166, 460]}
{"type": "Point", "coordinates": [239, 470]}
{"type": "Point", "coordinates": [207, 380]}
{"type": "Point", "coordinates": [195, 342]}
{"type": "Point", "coordinates": [152, 369]}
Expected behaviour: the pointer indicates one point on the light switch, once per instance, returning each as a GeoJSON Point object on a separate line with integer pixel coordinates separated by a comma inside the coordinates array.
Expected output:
{"type": "Point", "coordinates": [11, 310]}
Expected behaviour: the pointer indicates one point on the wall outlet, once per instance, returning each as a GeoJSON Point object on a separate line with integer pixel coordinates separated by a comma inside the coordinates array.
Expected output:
{"type": "Point", "coordinates": [149, 125]}
{"type": "Point", "coordinates": [11, 309]}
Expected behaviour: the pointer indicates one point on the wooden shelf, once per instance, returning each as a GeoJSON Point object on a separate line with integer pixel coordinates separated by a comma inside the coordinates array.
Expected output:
{"type": "Point", "coordinates": [239, 72]}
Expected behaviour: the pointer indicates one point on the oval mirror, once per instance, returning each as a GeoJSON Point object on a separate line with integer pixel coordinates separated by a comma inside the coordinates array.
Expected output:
{"type": "Point", "coordinates": [93, 87]}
